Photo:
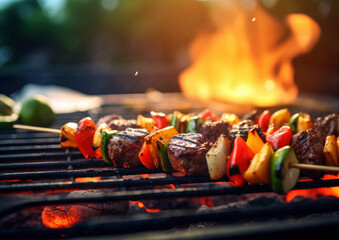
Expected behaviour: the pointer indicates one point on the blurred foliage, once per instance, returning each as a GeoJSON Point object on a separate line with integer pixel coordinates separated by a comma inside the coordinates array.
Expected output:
{"type": "Point", "coordinates": [84, 31]}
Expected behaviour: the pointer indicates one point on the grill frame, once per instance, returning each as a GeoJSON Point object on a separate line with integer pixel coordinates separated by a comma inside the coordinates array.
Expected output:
{"type": "Point", "coordinates": [48, 158]}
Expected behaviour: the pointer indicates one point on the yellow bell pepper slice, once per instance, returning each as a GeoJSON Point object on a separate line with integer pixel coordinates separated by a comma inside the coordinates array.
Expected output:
{"type": "Point", "coordinates": [280, 118]}
{"type": "Point", "coordinates": [254, 141]}
{"type": "Point", "coordinates": [67, 138]}
{"type": "Point", "coordinates": [163, 136]}
{"type": "Point", "coordinates": [259, 169]}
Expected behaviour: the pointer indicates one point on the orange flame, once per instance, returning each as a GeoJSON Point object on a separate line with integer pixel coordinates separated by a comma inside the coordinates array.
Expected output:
{"type": "Point", "coordinates": [247, 58]}
{"type": "Point", "coordinates": [314, 193]}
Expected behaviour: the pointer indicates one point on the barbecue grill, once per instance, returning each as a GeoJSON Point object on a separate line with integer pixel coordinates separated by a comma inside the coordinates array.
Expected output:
{"type": "Point", "coordinates": [37, 172]}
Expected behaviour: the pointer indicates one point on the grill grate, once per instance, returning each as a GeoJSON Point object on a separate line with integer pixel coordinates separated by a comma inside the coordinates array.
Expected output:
{"type": "Point", "coordinates": [35, 163]}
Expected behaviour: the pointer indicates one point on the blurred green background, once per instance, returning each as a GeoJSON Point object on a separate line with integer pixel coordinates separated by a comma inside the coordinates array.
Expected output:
{"type": "Point", "coordinates": [120, 46]}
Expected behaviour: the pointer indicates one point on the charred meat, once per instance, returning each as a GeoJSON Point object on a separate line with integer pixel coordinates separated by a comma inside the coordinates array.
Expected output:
{"type": "Point", "coordinates": [242, 128]}
{"type": "Point", "coordinates": [308, 146]}
{"type": "Point", "coordinates": [212, 130]}
{"type": "Point", "coordinates": [187, 153]}
{"type": "Point", "coordinates": [124, 147]}
{"type": "Point", "coordinates": [108, 118]}
{"type": "Point", "coordinates": [329, 125]}
{"type": "Point", "coordinates": [122, 124]}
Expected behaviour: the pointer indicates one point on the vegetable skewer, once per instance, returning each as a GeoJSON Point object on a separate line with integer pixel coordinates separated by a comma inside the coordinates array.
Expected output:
{"type": "Point", "coordinates": [293, 165]}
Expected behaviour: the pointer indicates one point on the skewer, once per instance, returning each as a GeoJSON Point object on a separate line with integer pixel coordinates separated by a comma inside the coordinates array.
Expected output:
{"type": "Point", "coordinates": [292, 165]}
{"type": "Point", "coordinates": [314, 167]}
{"type": "Point", "coordinates": [33, 128]}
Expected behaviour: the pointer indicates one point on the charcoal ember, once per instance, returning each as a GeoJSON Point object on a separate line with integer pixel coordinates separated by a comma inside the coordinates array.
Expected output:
{"type": "Point", "coordinates": [308, 147]}
{"type": "Point", "coordinates": [25, 219]}
{"type": "Point", "coordinates": [66, 216]}
{"type": "Point", "coordinates": [108, 118]}
{"type": "Point", "coordinates": [253, 201]}
{"type": "Point", "coordinates": [124, 147]}
{"type": "Point", "coordinates": [213, 129]}
{"type": "Point", "coordinates": [242, 128]}
{"type": "Point", "coordinates": [328, 125]}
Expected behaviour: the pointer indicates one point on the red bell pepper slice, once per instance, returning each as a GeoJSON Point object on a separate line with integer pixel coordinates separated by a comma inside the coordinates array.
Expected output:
{"type": "Point", "coordinates": [264, 119]}
{"type": "Point", "coordinates": [146, 157]}
{"type": "Point", "coordinates": [84, 134]}
{"type": "Point", "coordinates": [239, 161]}
{"type": "Point", "coordinates": [160, 119]}
{"type": "Point", "coordinates": [208, 114]}
{"type": "Point", "coordinates": [279, 138]}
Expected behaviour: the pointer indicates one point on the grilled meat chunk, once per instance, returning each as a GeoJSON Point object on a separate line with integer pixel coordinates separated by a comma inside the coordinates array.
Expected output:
{"type": "Point", "coordinates": [242, 128]}
{"type": "Point", "coordinates": [108, 118]}
{"type": "Point", "coordinates": [122, 124]}
{"type": "Point", "coordinates": [329, 125]}
{"type": "Point", "coordinates": [117, 122]}
{"type": "Point", "coordinates": [124, 147]}
{"type": "Point", "coordinates": [212, 130]}
{"type": "Point", "coordinates": [308, 146]}
{"type": "Point", "coordinates": [187, 153]}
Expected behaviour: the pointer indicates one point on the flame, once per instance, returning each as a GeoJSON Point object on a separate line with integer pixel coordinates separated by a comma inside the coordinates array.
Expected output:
{"type": "Point", "coordinates": [314, 193]}
{"type": "Point", "coordinates": [247, 58]}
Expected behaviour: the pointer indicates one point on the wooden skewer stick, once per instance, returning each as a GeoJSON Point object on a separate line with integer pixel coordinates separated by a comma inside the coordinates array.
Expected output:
{"type": "Point", "coordinates": [33, 128]}
{"type": "Point", "coordinates": [314, 167]}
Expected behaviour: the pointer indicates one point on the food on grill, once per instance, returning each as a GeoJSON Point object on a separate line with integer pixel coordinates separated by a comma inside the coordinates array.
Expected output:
{"type": "Point", "coordinates": [300, 121]}
{"type": "Point", "coordinates": [124, 147]}
{"type": "Point", "coordinates": [264, 120]}
{"type": "Point", "coordinates": [216, 157]}
{"type": "Point", "coordinates": [6, 105]}
{"type": "Point", "coordinates": [145, 122]}
{"type": "Point", "coordinates": [242, 128]}
{"type": "Point", "coordinates": [67, 138]}
{"type": "Point", "coordinates": [36, 111]}
{"type": "Point", "coordinates": [331, 151]}
{"type": "Point", "coordinates": [259, 169]}
{"type": "Point", "coordinates": [254, 141]}
{"type": "Point", "coordinates": [193, 153]}
{"type": "Point", "coordinates": [146, 157]}
{"type": "Point", "coordinates": [106, 136]}
{"type": "Point", "coordinates": [97, 138]}
{"type": "Point", "coordinates": [194, 124]}
{"type": "Point", "coordinates": [253, 116]}
{"type": "Point", "coordinates": [207, 114]}
{"type": "Point", "coordinates": [231, 118]}
{"type": "Point", "coordinates": [108, 118]}
{"type": "Point", "coordinates": [279, 138]}
{"type": "Point", "coordinates": [280, 118]}
{"type": "Point", "coordinates": [213, 129]}
{"type": "Point", "coordinates": [7, 121]}
{"type": "Point", "coordinates": [187, 153]}
{"type": "Point", "coordinates": [308, 146]}
{"type": "Point", "coordinates": [157, 143]}
{"type": "Point", "coordinates": [329, 124]}
{"type": "Point", "coordinates": [84, 134]}
{"type": "Point", "coordinates": [284, 177]}
{"type": "Point", "coordinates": [161, 120]}
{"type": "Point", "coordinates": [239, 161]}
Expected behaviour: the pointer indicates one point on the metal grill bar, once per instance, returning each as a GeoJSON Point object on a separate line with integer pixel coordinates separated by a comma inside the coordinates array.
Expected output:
{"type": "Point", "coordinates": [166, 220]}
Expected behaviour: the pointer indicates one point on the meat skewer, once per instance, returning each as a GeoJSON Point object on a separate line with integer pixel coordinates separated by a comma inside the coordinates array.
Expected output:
{"type": "Point", "coordinates": [294, 165]}
{"type": "Point", "coordinates": [166, 152]}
